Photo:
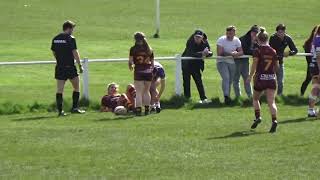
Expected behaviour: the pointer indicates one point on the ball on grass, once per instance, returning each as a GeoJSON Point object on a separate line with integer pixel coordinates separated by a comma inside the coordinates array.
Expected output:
{"type": "Point", "coordinates": [120, 110]}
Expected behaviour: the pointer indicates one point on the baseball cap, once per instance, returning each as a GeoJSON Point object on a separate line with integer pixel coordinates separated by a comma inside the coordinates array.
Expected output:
{"type": "Point", "coordinates": [255, 28]}
{"type": "Point", "coordinates": [199, 33]}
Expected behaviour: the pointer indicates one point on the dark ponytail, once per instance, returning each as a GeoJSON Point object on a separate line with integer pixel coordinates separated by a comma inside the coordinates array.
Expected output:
{"type": "Point", "coordinates": [307, 44]}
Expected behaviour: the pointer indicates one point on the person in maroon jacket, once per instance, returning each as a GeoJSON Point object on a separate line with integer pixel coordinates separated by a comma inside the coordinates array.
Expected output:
{"type": "Point", "coordinates": [264, 66]}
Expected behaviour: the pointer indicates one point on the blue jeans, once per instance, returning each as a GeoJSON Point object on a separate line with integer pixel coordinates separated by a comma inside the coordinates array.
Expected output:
{"type": "Point", "coordinates": [242, 69]}
{"type": "Point", "coordinates": [280, 79]}
{"type": "Point", "coordinates": [226, 71]}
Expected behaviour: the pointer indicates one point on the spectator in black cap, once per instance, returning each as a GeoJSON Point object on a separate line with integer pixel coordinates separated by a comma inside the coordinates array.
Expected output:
{"type": "Point", "coordinates": [279, 41]}
{"type": "Point", "coordinates": [197, 46]}
{"type": "Point", "coordinates": [249, 44]}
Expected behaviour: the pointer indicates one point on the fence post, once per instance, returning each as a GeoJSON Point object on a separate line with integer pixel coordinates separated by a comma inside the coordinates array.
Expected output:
{"type": "Point", "coordinates": [178, 75]}
{"type": "Point", "coordinates": [157, 34]}
{"type": "Point", "coordinates": [85, 79]}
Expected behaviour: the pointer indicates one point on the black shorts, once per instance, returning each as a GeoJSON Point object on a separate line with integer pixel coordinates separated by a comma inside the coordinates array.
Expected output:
{"type": "Point", "coordinates": [139, 76]}
{"type": "Point", "coordinates": [66, 72]}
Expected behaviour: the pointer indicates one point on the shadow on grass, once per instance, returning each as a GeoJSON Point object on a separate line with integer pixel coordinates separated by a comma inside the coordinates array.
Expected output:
{"type": "Point", "coordinates": [298, 120]}
{"type": "Point", "coordinates": [175, 102]}
{"type": "Point", "coordinates": [216, 103]}
{"type": "Point", "coordinates": [118, 118]}
{"type": "Point", "coordinates": [238, 134]}
{"type": "Point", "coordinates": [293, 100]}
{"type": "Point", "coordinates": [34, 118]}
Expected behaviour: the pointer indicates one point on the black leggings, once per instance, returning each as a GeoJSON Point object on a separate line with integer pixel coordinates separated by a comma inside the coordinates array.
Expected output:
{"type": "Point", "coordinates": [196, 74]}
{"type": "Point", "coordinates": [308, 76]}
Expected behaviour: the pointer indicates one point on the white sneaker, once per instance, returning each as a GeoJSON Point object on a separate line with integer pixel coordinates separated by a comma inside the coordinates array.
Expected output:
{"type": "Point", "coordinates": [205, 101]}
{"type": "Point", "coordinates": [313, 112]}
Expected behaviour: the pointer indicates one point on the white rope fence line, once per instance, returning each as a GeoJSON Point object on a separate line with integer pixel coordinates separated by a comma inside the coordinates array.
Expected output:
{"type": "Point", "coordinates": [86, 61]}
{"type": "Point", "coordinates": [25, 62]}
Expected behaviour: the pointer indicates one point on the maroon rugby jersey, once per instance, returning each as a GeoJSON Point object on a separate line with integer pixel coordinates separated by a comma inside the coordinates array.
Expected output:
{"type": "Point", "coordinates": [267, 60]}
{"type": "Point", "coordinates": [110, 101]}
{"type": "Point", "coordinates": [142, 59]}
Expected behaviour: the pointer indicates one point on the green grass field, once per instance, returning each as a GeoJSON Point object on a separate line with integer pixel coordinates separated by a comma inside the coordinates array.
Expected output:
{"type": "Point", "coordinates": [182, 142]}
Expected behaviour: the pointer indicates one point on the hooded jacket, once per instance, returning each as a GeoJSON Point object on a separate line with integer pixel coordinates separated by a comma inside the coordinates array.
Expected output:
{"type": "Point", "coordinates": [195, 50]}
{"type": "Point", "coordinates": [246, 44]}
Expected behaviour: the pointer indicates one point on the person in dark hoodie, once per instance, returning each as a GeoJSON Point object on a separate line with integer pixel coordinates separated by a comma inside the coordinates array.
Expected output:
{"type": "Point", "coordinates": [197, 46]}
{"type": "Point", "coordinates": [249, 44]}
{"type": "Point", "coordinates": [279, 41]}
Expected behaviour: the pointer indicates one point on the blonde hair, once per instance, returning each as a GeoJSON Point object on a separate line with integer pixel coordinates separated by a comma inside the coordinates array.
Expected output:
{"type": "Point", "coordinates": [112, 84]}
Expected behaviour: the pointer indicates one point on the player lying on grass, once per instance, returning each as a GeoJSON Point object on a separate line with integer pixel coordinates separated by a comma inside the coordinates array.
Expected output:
{"type": "Point", "coordinates": [159, 79]}
{"type": "Point", "coordinates": [314, 70]}
{"type": "Point", "coordinates": [141, 61]}
{"type": "Point", "coordinates": [263, 70]}
{"type": "Point", "coordinates": [114, 99]}
{"type": "Point", "coordinates": [65, 51]}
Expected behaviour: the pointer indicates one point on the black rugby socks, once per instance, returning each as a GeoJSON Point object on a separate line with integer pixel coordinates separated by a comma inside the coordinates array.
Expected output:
{"type": "Point", "coordinates": [59, 101]}
{"type": "Point", "coordinates": [75, 99]}
{"type": "Point", "coordinates": [257, 113]}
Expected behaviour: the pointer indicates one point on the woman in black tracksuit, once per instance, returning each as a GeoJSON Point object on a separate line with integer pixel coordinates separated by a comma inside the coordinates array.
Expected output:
{"type": "Point", "coordinates": [197, 46]}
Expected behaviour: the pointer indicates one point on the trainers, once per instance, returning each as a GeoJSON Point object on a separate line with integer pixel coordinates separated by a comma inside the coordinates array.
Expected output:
{"type": "Point", "coordinates": [158, 109]}
{"type": "Point", "coordinates": [62, 113]}
{"type": "Point", "coordinates": [256, 122]}
{"type": "Point", "coordinates": [204, 101]}
{"type": "Point", "coordinates": [146, 110]}
{"type": "Point", "coordinates": [138, 111]}
{"type": "Point", "coordinates": [153, 110]}
{"type": "Point", "coordinates": [312, 113]}
{"type": "Point", "coordinates": [227, 100]}
{"type": "Point", "coordinates": [77, 111]}
{"type": "Point", "coordinates": [273, 128]}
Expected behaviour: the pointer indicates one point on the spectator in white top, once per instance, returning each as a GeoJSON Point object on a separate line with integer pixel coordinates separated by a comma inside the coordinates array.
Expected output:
{"type": "Point", "coordinates": [228, 45]}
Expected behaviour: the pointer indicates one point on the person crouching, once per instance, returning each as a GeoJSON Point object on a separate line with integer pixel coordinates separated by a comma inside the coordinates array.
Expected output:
{"type": "Point", "coordinates": [159, 79]}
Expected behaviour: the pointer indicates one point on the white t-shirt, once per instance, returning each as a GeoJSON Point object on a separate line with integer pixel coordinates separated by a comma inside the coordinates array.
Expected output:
{"type": "Point", "coordinates": [229, 47]}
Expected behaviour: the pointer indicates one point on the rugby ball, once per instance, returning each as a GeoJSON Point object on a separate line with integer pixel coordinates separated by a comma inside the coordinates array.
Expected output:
{"type": "Point", "coordinates": [120, 110]}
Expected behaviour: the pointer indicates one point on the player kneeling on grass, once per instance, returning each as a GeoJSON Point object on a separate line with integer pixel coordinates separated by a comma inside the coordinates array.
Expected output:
{"type": "Point", "coordinates": [65, 51]}
{"type": "Point", "coordinates": [141, 60]}
{"type": "Point", "coordinates": [314, 69]}
{"type": "Point", "coordinates": [159, 79]}
{"type": "Point", "coordinates": [116, 102]}
{"type": "Point", "coordinates": [263, 70]}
